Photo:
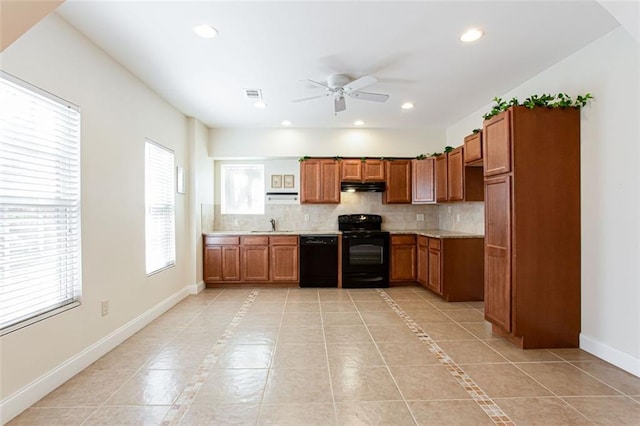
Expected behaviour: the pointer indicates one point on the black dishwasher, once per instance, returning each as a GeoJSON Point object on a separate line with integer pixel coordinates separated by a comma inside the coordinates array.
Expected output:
{"type": "Point", "coordinates": [319, 261]}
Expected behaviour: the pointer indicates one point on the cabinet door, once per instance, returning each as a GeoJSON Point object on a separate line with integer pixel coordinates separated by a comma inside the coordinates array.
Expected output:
{"type": "Point", "coordinates": [403, 258]}
{"type": "Point", "coordinates": [284, 263]}
{"type": "Point", "coordinates": [310, 181]}
{"type": "Point", "coordinates": [330, 181]}
{"type": "Point", "coordinates": [473, 149]}
{"type": "Point", "coordinates": [455, 175]}
{"type": "Point", "coordinates": [352, 170]}
{"type": "Point", "coordinates": [422, 266]}
{"type": "Point", "coordinates": [212, 263]}
{"type": "Point", "coordinates": [422, 177]}
{"type": "Point", "coordinates": [231, 263]}
{"type": "Point", "coordinates": [435, 266]}
{"type": "Point", "coordinates": [497, 252]}
{"type": "Point", "coordinates": [441, 178]}
{"type": "Point", "coordinates": [496, 136]}
{"type": "Point", "coordinates": [373, 171]}
{"type": "Point", "coordinates": [255, 263]}
{"type": "Point", "coordinates": [398, 177]}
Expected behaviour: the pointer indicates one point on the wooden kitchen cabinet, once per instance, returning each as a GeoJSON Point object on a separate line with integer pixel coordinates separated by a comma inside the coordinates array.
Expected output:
{"type": "Point", "coordinates": [398, 182]}
{"type": "Point", "coordinates": [532, 226]}
{"type": "Point", "coordinates": [473, 149]}
{"type": "Point", "coordinates": [358, 170]}
{"type": "Point", "coordinates": [319, 181]}
{"type": "Point", "coordinates": [441, 177]}
{"type": "Point", "coordinates": [254, 252]}
{"type": "Point", "coordinates": [456, 182]}
{"type": "Point", "coordinates": [403, 258]}
{"type": "Point", "coordinates": [422, 261]}
{"type": "Point", "coordinates": [284, 258]}
{"type": "Point", "coordinates": [455, 268]}
{"type": "Point", "coordinates": [423, 181]}
{"type": "Point", "coordinates": [221, 258]}
{"type": "Point", "coordinates": [250, 259]}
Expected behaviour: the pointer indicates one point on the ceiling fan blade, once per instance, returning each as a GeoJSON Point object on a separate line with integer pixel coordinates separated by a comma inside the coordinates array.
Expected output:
{"type": "Point", "coordinates": [315, 83]}
{"type": "Point", "coordinates": [311, 97]}
{"type": "Point", "coordinates": [359, 83]}
{"type": "Point", "coordinates": [366, 96]}
{"type": "Point", "coordinates": [339, 104]}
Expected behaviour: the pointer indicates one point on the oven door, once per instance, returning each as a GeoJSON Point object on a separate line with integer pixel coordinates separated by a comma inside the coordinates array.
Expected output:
{"type": "Point", "coordinates": [365, 260]}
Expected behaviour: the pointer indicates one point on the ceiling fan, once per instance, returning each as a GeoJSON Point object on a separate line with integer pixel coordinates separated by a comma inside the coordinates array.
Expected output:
{"type": "Point", "coordinates": [340, 85]}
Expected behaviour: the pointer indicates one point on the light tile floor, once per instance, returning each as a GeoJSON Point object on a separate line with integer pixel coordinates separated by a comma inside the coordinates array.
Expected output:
{"type": "Point", "coordinates": [327, 356]}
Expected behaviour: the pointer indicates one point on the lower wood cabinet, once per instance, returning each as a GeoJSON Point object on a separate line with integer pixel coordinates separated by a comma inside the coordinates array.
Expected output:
{"type": "Point", "coordinates": [434, 273]}
{"type": "Point", "coordinates": [403, 258]}
{"type": "Point", "coordinates": [255, 259]}
{"type": "Point", "coordinates": [422, 267]}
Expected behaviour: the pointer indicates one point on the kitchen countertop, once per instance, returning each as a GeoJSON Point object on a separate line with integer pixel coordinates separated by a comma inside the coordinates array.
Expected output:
{"type": "Point", "coordinates": [433, 233]}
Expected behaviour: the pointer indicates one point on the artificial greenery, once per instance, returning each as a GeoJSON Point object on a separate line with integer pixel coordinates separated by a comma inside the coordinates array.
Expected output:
{"type": "Point", "coordinates": [476, 131]}
{"type": "Point", "coordinates": [546, 100]}
{"type": "Point", "coordinates": [447, 149]}
{"type": "Point", "coordinates": [301, 159]}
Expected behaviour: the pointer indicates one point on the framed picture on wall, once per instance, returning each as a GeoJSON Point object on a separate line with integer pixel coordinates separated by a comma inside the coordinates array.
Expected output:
{"type": "Point", "coordinates": [276, 181]}
{"type": "Point", "coordinates": [289, 181]}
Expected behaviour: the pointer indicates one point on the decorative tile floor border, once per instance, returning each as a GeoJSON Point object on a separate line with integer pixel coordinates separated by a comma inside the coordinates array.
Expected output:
{"type": "Point", "coordinates": [479, 396]}
{"type": "Point", "coordinates": [182, 404]}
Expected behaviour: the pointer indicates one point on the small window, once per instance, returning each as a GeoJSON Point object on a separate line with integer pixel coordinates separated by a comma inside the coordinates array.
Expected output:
{"type": "Point", "coordinates": [242, 188]}
{"type": "Point", "coordinates": [39, 204]}
{"type": "Point", "coordinates": [160, 232]}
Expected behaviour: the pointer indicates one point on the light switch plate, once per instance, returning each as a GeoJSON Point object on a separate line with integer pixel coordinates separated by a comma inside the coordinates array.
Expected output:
{"type": "Point", "coordinates": [420, 217]}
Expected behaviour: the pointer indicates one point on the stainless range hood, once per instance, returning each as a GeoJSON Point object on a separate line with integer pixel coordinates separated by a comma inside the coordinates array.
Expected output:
{"type": "Point", "coordinates": [362, 186]}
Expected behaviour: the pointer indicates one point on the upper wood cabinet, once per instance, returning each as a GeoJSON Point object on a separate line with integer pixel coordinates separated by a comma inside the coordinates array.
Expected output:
{"type": "Point", "coordinates": [403, 258]}
{"type": "Point", "coordinates": [398, 182]}
{"type": "Point", "coordinates": [358, 170]}
{"type": "Point", "coordinates": [473, 149]}
{"type": "Point", "coordinates": [320, 181]}
{"type": "Point", "coordinates": [423, 181]}
{"type": "Point", "coordinates": [456, 182]}
{"type": "Point", "coordinates": [532, 226]}
{"type": "Point", "coordinates": [497, 144]}
{"type": "Point", "coordinates": [441, 178]}
{"type": "Point", "coordinates": [455, 175]}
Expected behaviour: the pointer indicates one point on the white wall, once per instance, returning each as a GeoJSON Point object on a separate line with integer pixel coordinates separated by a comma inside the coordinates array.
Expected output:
{"type": "Point", "coordinates": [263, 143]}
{"type": "Point", "coordinates": [118, 112]}
{"type": "Point", "coordinates": [610, 188]}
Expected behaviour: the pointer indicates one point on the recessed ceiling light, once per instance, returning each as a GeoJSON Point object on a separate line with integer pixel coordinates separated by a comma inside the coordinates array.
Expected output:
{"type": "Point", "coordinates": [286, 123]}
{"type": "Point", "coordinates": [407, 105]}
{"type": "Point", "coordinates": [471, 35]}
{"type": "Point", "coordinates": [260, 105]}
{"type": "Point", "coordinates": [205, 31]}
{"type": "Point", "coordinates": [358, 123]}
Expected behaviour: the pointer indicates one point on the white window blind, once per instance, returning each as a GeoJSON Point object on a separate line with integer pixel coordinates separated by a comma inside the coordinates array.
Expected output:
{"type": "Point", "coordinates": [242, 188]}
{"type": "Point", "coordinates": [159, 197]}
{"type": "Point", "coordinates": [40, 266]}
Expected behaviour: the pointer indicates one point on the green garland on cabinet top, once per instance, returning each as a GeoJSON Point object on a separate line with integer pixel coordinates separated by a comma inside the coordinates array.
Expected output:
{"type": "Point", "coordinates": [546, 100]}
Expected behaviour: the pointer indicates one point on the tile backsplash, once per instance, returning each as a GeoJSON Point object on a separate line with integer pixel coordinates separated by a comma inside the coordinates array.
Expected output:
{"type": "Point", "coordinates": [325, 216]}
{"type": "Point", "coordinates": [460, 217]}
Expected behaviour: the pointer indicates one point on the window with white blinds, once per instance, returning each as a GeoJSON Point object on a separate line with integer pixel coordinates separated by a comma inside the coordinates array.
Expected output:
{"type": "Point", "coordinates": [160, 235]}
{"type": "Point", "coordinates": [40, 265]}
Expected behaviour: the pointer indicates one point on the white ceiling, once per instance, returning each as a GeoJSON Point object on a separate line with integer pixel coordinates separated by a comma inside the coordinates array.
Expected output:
{"type": "Point", "coordinates": [411, 47]}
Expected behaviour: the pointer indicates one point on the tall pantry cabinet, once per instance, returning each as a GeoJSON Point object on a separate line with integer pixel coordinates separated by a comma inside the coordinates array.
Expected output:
{"type": "Point", "coordinates": [532, 226]}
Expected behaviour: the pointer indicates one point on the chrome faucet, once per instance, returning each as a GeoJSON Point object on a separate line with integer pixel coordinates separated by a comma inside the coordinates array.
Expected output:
{"type": "Point", "coordinates": [273, 224]}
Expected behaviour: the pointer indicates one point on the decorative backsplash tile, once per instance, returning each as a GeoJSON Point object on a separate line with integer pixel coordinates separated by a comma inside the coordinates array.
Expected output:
{"type": "Point", "coordinates": [462, 217]}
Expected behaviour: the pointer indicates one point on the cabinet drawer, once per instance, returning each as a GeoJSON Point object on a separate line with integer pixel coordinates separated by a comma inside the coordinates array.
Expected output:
{"type": "Point", "coordinates": [257, 240]}
{"type": "Point", "coordinates": [284, 240]}
{"type": "Point", "coordinates": [434, 243]}
{"type": "Point", "coordinates": [422, 240]}
{"type": "Point", "coordinates": [219, 241]}
{"type": "Point", "coordinates": [403, 239]}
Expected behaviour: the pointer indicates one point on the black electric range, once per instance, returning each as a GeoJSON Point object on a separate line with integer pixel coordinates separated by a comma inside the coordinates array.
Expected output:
{"type": "Point", "coordinates": [365, 251]}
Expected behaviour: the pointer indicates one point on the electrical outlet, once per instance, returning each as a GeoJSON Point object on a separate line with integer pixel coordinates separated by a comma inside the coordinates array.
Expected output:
{"type": "Point", "coordinates": [420, 217]}
{"type": "Point", "coordinates": [105, 308]}
{"type": "Point", "coordinates": [306, 217]}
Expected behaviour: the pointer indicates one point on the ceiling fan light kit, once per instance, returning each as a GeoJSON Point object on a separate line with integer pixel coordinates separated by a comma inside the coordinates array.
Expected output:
{"type": "Point", "coordinates": [339, 86]}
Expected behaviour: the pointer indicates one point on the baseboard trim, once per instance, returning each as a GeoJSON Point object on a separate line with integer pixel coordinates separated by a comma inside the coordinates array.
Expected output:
{"type": "Point", "coordinates": [612, 355]}
{"type": "Point", "coordinates": [196, 288]}
{"type": "Point", "coordinates": [16, 403]}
